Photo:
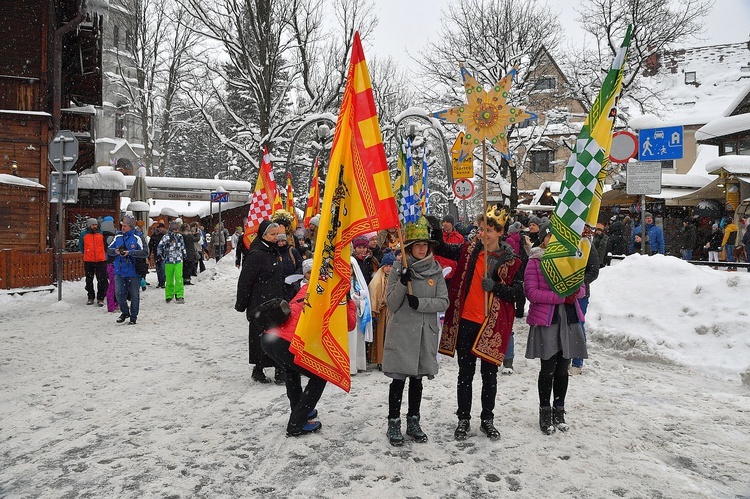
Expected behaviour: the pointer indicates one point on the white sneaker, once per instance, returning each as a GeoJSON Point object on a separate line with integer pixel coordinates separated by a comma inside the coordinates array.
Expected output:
{"type": "Point", "coordinates": [507, 370]}
{"type": "Point", "coordinates": [574, 371]}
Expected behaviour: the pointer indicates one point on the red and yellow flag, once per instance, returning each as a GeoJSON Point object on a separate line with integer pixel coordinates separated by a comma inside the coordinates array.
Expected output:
{"type": "Point", "coordinates": [313, 197]}
{"type": "Point", "coordinates": [265, 200]}
{"type": "Point", "coordinates": [358, 199]}
{"type": "Point", "coordinates": [290, 201]}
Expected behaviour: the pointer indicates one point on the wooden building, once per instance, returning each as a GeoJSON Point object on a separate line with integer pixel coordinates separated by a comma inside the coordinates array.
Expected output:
{"type": "Point", "coordinates": [50, 76]}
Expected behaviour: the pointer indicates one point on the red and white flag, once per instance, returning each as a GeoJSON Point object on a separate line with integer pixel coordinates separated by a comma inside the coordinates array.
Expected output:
{"type": "Point", "coordinates": [265, 200]}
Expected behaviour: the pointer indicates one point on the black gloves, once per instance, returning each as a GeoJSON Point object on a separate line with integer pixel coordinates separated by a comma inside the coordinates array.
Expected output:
{"type": "Point", "coordinates": [405, 276]}
{"type": "Point", "coordinates": [413, 301]}
{"type": "Point", "coordinates": [436, 230]}
{"type": "Point", "coordinates": [505, 293]}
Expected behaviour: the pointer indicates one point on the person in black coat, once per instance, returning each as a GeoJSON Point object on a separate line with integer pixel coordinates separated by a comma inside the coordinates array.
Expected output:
{"type": "Point", "coordinates": [261, 280]}
{"type": "Point", "coordinates": [188, 265]}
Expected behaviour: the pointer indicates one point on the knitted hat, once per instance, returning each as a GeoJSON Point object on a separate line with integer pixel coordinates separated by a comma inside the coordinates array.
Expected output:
{"type": "Point", "coordinates": [535, 220]}
{"type": "Point", "coordinates": [91, 221]}
{"type": "Point", "coordinates": [388, 259]}
{"type": "Point", "coordinates": [128, 220]}
{"type": "Point", "coordinates": [307, 265]}
{"type": "Point", "coordinates": [174, 225]}
{"type": "Point", "coordinates": [418, 232]}
{"type": "Point", "coordinates": [514, 227]}
{"type": "Point", "coordinates": [600, 226]}
{"type": "Point", "coordinates": [648, 214]}
{"type": "Point", "coordinates": [281, 236]}
{"type": "Point", "coordinates": [715, 226]}
{"type": "Point", "coordinates": [108, 219]}
{"type": "Point", "coordinates": [450, 219]}
{"type": "Point", "coordinates": [361, 241]}
{"type": "Point", "coordinates": [315, 220]}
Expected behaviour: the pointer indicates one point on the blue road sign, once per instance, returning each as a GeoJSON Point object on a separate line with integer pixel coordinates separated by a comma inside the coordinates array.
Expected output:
{"type": "Point", "coordinates": [660, 144]}
{"type": "Point", "coordinates": [219, 197]}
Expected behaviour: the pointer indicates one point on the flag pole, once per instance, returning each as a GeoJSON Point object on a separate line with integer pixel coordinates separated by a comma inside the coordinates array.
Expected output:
{"type": "Point", "coordinates": [484, 210]}
{"type": "Point", "coordinates": [404, 264]}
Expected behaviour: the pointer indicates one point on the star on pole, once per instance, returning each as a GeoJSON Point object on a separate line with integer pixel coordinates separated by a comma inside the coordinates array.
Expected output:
{"type": "Point", "coordinates": [486, 113]}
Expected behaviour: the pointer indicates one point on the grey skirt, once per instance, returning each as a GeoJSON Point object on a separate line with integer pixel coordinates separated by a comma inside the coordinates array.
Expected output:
{"type": "Point", "coordinates": [545, 341]}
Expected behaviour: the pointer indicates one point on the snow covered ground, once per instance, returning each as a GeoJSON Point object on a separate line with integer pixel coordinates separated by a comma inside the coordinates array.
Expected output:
{"type": "Point", "coordinates": [91, 408]}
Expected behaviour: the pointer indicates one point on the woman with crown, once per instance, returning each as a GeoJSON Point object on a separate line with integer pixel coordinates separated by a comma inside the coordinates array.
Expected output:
{"type": "Point", "coordinates": [416, 293]}
{"type": "Point", "coordinates": [480, 314]}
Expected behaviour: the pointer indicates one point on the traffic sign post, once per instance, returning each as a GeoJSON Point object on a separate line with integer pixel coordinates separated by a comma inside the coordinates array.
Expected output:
{"type": "Point", "coordinates": [63, 154]}
{"type": "Point", "coordinates": [660, 144]}
{"type": "Point", "coordinates": [463, 188]}
{"type": "Point", "coordinates": [643, 179]}
{"type": "Point", "coordinates": [624, 147]}
{"type": "Point", "coordinates": [63, 187]}
{"type": "Point", "coordinates": [461, 161]}
{"type": "Point", "coordinates": [219, 196]}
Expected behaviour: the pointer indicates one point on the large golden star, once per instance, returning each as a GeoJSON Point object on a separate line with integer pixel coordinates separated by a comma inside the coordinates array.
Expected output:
{"type": "Point", "coordinates": [486, 114]}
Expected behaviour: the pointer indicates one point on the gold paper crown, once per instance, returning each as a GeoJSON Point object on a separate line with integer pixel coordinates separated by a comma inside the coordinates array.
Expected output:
{"type": "Point", "coordinates": [499, 215]}
{"type": "Point", "coordinates": [281, 215]}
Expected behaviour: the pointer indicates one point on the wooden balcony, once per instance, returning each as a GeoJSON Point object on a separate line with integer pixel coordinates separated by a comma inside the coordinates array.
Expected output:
{"type": "Point", "coordinates": [20, 93]}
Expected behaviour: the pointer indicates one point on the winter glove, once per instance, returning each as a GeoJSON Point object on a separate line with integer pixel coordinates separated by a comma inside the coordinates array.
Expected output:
{"type": "Point", "coordinates": [436, 230]}
{"type": "Point", "coordinates": [413, 301]}
{"type": "Point", "coordinates": [506, 293]}
{"type": "Point", "coordinates": [405, 276]}
{"type": "Point", "coordinates": [488, 284]}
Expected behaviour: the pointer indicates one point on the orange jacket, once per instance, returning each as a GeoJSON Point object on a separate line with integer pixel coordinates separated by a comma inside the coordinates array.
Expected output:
{"type": "Point", "coordinates": [94, 249]}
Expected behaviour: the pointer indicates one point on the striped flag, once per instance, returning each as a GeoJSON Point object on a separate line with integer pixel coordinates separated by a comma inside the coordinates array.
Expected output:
{"type": "Point", "coordinates": [312, 207]}
{"type": "Point", "coordinates": [290, 201]}
{"type": "Point", "coordinates": [577, 210]}
{"type": "Point", "coordinates": [358, 199]}
{"type": "Point", "coordinates": [265, 199]}
{"type": "Point", "coordinates": [425, 191]}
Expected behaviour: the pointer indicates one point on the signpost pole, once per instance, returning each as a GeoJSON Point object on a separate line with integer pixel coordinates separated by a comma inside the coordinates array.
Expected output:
{"type": "Point", "coordinates": [643, 224]}
{"type": "Point", "coordinates": [60, 230]}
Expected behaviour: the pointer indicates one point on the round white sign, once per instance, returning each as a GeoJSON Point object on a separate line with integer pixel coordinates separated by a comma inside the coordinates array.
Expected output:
{"type": "Point", "coordinates": [624, 147]}
{"type": "Point", "coordinates": [463, 188]}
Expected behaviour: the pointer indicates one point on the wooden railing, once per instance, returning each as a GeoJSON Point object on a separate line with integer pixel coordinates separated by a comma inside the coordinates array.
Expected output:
{"type": "Point", "coordinates": [20, 269]}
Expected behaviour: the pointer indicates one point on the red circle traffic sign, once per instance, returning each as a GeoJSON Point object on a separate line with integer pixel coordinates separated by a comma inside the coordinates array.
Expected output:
{"type": "Point", "coordinates": [624, 147]}
{"type": "Point", "coordinates": [463, 188]}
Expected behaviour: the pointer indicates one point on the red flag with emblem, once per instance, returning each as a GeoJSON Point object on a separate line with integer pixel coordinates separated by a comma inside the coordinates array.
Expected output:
{"type": "Point", "coordinates": [265, 200]}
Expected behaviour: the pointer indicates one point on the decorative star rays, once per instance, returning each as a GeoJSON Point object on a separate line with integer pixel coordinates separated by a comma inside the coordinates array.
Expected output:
{"type": "Point", "coordinates": [486, 114]}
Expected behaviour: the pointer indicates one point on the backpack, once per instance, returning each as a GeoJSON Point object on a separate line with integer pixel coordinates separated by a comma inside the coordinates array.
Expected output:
{"type": "Point", "coordinates": [141, 266]}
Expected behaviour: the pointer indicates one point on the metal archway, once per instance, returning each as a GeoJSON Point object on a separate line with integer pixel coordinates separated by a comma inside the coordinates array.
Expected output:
{"type": "Point", "coordinates": [440, 169]}
{"type": "Point", "coordinates": [311, 142]}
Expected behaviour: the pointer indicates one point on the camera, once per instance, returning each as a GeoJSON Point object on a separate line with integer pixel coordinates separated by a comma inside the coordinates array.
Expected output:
{"type": "Point", "coordinates": [122, 250]}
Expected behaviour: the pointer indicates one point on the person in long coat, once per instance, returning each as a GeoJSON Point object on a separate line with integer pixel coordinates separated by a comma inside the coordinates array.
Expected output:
{"type": "Point", "coordinates": [380, 313]}
{"type": "Point", "coordinates": [416, 294]}
{"type": "Point", "coordinates": [261, 280]}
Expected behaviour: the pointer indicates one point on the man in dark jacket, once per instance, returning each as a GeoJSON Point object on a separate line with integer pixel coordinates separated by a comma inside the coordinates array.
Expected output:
{"type": "Point", "coordinates": [687, 239]}
{"type": "Point", "coordinates": [261, 280]}
{"type": "Point", "coordinates": [153, 244]}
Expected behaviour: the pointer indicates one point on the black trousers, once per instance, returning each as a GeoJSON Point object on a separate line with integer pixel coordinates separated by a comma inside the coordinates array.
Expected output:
{"type": "Point", "coordinates": [396, 394]}
{"type": "Point", "coordinates": [553, 378]}
{"type": "Point", "coordinates": [467, 364]}
{"type": "Point", "coordinates": [98, 269]}
{"type": "Point", "coordinates": [302, 402]}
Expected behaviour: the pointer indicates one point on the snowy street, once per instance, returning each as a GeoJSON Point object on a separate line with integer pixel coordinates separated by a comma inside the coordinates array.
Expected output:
{"type": "Point", "coordinates": [166, 408]}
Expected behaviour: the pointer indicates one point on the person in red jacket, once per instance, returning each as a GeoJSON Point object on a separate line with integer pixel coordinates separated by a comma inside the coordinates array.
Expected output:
{"type": "Point", "coordinates": [450, 236]}
{"type": "Point", "coordinates": [94, 252]}
{"type": "Point", "coordinates": [275, 343]}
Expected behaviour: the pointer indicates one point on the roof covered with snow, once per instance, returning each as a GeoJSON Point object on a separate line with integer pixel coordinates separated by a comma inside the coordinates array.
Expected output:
{"type": "Point", "coordinates": [739, 165]}
{"type": "Point", "coordinates": [721, 73]}
{"type": "Point", "coordinates": [18, 181]}
{"type": "Point", "coordinates": [724, 125]}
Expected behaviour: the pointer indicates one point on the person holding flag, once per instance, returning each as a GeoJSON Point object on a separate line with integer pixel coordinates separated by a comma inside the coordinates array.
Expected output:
{"type": "Point", "coordinates": [416, 293]}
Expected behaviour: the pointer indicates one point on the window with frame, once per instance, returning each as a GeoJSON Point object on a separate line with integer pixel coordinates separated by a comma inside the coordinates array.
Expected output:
{"type": "Point", "coordinates": [120, 120]}
{"type": "Point", "coordinates": [667, 164]}
{"type": "Point", "coordinates": [743, 146]}
{"type": "Point", "coordinates": [128, 39]}
{"type": "Point", "coordinates": [545, 83]}
{"type": "Point", "coordinates": [116, 36]}
{"type": "Point", "coordinates": [690, 77]}
{"type": "Point", "coordinates": [541, 161]}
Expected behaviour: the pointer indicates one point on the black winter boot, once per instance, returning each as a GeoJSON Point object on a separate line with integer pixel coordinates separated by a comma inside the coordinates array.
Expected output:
{"type": "Point", "coordinates": [488, 428]}
{"type": "Point", "coordinates": [558, 419]}
{"type": "Point", "coordinates": [394, 432]}
{"type": "Point", "coordinates": [414, 430]}
{"type": "Point", "coordinates": [258, 375]}
{"type": "Point", "coordinates": [462, 430]}
{"type": "Point", "coordinates": [545, 420]}
{"type": "Point", "coordinates": [279, 376]}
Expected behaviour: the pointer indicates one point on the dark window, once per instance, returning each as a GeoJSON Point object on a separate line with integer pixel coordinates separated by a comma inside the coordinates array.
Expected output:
{"type": "Point", "coordinates": [743, 147]}
{"type": "Point", "coordinates": [128, 39]}
{"type": "Point", "coordinates": [727, 148]}
{"type": "Point", "coordinates": [97, 198]}
{"type": "Point", "coordinates": [116, 36]}
{"type": "Point", "coordinates": [545, 83]}
{"type": "Point", "coordinates": [541, 161]}
{"type": "Point", "coordinates": [690, 77]}
{"type": "Point", "coordinates": [667, 163]}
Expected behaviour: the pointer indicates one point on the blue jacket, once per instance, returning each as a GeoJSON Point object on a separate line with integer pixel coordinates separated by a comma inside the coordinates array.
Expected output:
{"type": "Point", "coordinates": [125, 265]}
{"type": "Point", "coordinates": [655, 238]}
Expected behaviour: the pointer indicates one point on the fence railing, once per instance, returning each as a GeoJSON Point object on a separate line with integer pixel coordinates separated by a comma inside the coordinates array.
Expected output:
{"type": "Point", "coordinates": [21, 269]}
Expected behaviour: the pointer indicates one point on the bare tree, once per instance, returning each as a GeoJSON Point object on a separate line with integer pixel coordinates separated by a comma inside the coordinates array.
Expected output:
{"type": "Point", "coordinates": [492, 37]}
{"type": "Point", "coordinates": [657, 26]}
